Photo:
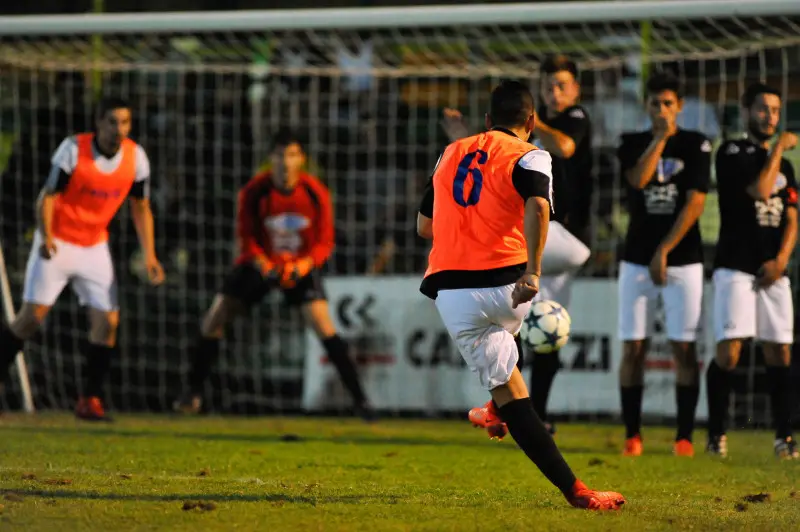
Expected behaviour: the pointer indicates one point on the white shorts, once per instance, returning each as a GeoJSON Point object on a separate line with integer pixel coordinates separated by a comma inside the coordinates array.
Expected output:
{"type": "Point", "coordinates": [743, 311]}
{"type": "Point", "coordinates": [482, 324]}
{"type": "Point", "coordinates": [88, 269]}
{"type": "Point", "coordinates": [563, 252]}
{"type": "Point", "coordinates": [682, 297]}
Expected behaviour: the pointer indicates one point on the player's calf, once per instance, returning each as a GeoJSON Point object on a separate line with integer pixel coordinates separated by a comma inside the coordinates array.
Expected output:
{"type": "Point", "coordinates": [631, 382]}
{"type": "Point", "coordinates": [687, 392]}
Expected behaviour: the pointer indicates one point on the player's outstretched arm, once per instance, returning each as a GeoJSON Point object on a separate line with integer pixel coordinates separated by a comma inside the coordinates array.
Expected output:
{"type": "Point", "coordinates": [762, 188]}
{"type": "Point", "coordinates": [143, 222]}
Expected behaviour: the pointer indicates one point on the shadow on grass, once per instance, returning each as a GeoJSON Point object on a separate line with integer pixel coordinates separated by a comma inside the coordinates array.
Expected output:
{"type": "Point", "coordinates": [297, 439]}
{"type": "Point", "coordinates": [176, 497]}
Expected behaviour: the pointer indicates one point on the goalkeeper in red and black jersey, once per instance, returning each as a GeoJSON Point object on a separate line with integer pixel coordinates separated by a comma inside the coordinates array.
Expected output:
{"type": "Point", "coordinates": [285, 235]}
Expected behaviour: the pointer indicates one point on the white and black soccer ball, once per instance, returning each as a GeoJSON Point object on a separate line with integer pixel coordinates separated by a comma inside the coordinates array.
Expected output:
{"type": "Point", "coordinates": [546, 327]}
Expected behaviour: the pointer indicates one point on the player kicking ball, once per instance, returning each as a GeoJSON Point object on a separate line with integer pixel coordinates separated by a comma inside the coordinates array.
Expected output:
{"type": "Point", "coordinates": [487, 209]}
{"type": "Point", "coordinates": [285, 233]}
{"type": "Point", "coordinates": [752, 293]}
{"type": "Point", "coordinates": [667, 171]}
{"type": "Point", "coordinates": [92, 174]}
{"type": "Point", "coordinates": [564, 130]}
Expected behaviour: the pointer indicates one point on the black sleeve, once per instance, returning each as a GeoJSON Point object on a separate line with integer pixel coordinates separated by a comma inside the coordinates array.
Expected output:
{"type": "Point", "coordinates": [575, 124]}
{"type": "Point", "coordinates": [58, 180]}
{"type": "Point", "coordinates": [628, 153]}
{"type": "Point", "coordinates": [140, 189]}
{"type": "Point", "coordinates": [426, 205]}
{"type": "Point", "coordinates": [700, 161]}
{"type": "Point", "coordinates": [791, 184]}
{"type": "Point", "coordinates": [531, 183]}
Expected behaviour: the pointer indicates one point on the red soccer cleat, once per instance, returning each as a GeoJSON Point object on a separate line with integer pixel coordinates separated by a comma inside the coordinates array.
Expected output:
{"type": "Point", "coordinates": [91, 409]}
{"type": "Point", "coordinates": [683, 448]}
{"type": "Point", "coordinates": [633, 446]}
{"type": "Point", "coordinates": [584, 498]}
{"type": "Point", "coordinates": [486, 417]}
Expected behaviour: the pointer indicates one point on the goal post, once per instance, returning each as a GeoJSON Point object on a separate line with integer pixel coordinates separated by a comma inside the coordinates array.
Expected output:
{"type": "Point", "coordinates": [366, 88]}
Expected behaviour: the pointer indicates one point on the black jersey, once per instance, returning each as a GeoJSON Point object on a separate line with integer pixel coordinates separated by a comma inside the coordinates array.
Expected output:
{"type": "Point", "coordinates": [750, 230]}
{"type": "Point", "coordinates": [685, 165]}
{"type": "Point", "coordinates": [572, 178]}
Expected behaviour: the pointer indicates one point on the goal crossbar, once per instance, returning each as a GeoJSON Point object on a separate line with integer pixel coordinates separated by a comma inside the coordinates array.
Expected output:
{"type": "Point", "coordinates": [392, 17]}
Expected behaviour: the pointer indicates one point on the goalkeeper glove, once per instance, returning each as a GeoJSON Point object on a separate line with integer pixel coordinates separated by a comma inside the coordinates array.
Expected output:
{"type": "Point", "coordinates": [269, 271]}
{"type": "Point", "coordinates": [294, 271]}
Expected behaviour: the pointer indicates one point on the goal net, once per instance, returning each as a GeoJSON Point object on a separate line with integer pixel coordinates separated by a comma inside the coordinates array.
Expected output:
{"type": "Point", "coordinates": [366, 88]}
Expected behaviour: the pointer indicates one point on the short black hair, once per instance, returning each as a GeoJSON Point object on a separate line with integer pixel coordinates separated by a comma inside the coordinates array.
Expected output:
{"type": "Point", "coordinates": [664, 81]}
{"type": "Point", "coordinates": [754, 91]}
{"type": "Point", "coordinates": [284, 137]}
{"type": "Point", "coordinates": [559, 63]}
{"type": "Point", "coordinates": [109, 103]}
{"type": "Point", "coordinates": [511, 104]}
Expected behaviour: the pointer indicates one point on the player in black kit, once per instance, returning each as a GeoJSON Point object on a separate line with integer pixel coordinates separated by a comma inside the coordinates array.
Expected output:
{"type": "Point", "coordinates": [562, 128]}
{"type": "Point", "coordinates": [752, 295]}
{"type": "Point", "coordinates": [667, 172]}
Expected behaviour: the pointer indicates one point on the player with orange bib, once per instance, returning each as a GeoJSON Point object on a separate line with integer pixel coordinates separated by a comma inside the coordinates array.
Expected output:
{"type": "Point", "coordinates": [92, 174]}
{"type": "Point", "coordinates": [487, 209]}
{"type": "Point", "coordinates": [286, 235]}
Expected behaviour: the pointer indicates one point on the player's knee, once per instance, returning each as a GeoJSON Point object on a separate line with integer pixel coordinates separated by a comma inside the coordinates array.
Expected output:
{"type": "Point", "coordinates": [28, 320]}
{"type": "Point", "coordinates": [631, 369]}
{"type": "Point", "coordinates": [222, 311]}
{"type": "Point", "coordinates": [686, 369]}
{"type": "Point", "coordinates": [777, 354]}
{"type": "Point", "coordinates": [727, 355]}
{"type": "Point", "coordinates": [104, 328]}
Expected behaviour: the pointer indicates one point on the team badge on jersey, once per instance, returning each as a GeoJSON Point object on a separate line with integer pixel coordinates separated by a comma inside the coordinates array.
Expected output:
{"type": "Point", "coordinates": [284, 231]}
{"type": "Point", "coordinates": [780, 183]}
{"type": "Point", "coordinates": [669, 168]}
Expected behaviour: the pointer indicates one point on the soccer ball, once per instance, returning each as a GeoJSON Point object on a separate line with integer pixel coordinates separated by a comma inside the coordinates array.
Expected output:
{"type": "Point", "coordinates": [546, 327]}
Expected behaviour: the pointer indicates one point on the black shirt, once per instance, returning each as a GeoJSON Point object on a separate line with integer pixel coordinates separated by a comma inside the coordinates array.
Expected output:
{"type": "Point", "coordinates": [528, 183]}
{"type": "Point", "coordinates": [685, 165]}
{"type": "Point", "coordinates": [750, 230]}
{"type": "Point", "coordinates": [572, 178]}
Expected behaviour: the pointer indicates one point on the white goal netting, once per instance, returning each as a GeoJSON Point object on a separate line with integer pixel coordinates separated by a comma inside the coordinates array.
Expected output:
{"type": "Point", "coordinates": [367, 90]}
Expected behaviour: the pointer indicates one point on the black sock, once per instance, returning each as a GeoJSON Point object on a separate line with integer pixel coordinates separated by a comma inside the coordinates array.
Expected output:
{"type": "Point", "coordinates": [338, 354]}
{"type": "Point", "coordinates": [10, 345]}
{"type": "Point", "coordinates": [205, 355]}
{"type": "Point", "coordinates": [631, 397]}
{"type": "Point", "coordinates": [543, 371]}
{"type": "Point", "coordinates": [98, 362]}
{"type": "Point", "coordinates": [779, 391]}
{"type": "Point", "coordinates": [718, 388]}
{"type": "Point", "coordinates": [521, 359]}
{"type": "Point", "coordinates": [686, 398]}
{"type": "Point", "coordinates": [532, 437]}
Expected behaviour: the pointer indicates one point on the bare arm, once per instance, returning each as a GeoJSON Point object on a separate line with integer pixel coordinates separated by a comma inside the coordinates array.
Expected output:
{"type": "Point", "coordinates": [536, 224]}
{"type": "Point", "coordinates": [789, 239]}
{"type": "Point", "coordinates": [642, 173]}
{"type": "Point", "coordinates": [688, 216]}
{"type": "Point", "coordinates": [143, 222]}
{"type": "Point", "coordinates": [761, 189]}
{"type": "Point", "coordinates": [424, 226]}
{"type": "Point", "coordinates": [556, 142]}
{"type": "Point", "coordinates": [44, 212]}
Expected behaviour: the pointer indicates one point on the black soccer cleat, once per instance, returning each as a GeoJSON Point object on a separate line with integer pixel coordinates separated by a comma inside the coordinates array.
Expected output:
{"type": "Point", "coordinates": [717, 445]}
{"type": "Point", "coordinates": [188, 404]}
{"type": "Point", "coordinates": [786, 449]}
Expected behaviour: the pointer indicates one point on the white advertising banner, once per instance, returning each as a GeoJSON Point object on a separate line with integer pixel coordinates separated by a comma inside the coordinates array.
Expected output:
{"type": "Point", "coordinates": [407, 361]}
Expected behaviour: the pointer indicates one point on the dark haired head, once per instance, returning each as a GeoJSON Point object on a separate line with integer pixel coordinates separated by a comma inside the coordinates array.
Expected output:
{"type": "Point", "coordinates": [285, 137]}
{"type": "Point", "coordinates": [754, 91]}
{"type": "Point", "coordinates": [559, 63]}
{"type": "Point", "coordinates": [511, 104]}
{"type": "Point", "coordinates": [663, 81]}
{"type": "Point", "coordinates": [109, 104]}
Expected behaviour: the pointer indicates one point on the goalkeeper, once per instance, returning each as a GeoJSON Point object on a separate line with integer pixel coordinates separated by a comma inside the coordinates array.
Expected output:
{"type": "Point", "coordinates": [285, 235]}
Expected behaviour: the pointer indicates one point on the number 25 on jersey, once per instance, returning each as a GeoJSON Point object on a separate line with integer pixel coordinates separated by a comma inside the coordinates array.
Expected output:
{"type": "Point", "coordinates": [463, 172]}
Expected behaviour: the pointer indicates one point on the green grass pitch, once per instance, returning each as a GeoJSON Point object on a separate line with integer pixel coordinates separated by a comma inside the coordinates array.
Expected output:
{"type": "Point", "coordinates": [162, 473]}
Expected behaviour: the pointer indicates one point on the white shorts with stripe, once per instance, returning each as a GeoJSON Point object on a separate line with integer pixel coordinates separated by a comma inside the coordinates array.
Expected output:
{"type": "Point", "coordinates": [88, 269]}
{"type": "Point", "coordinates": [482, 324]}
{"type": "Point", "coordinates": [682, 297]}
{"type": "Point", "coordinates": [742, 310]}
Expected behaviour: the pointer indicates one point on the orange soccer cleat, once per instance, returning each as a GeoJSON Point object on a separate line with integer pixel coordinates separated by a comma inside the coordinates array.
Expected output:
{"type": "Point", "coordinates": [91, 409]}
{"type": "Point", "coordinates": [486, 417]}
{"type": "Point", "coordinates": [683, 448]}
{"type": "Point", "coordinates": [583, 497]}
{"type": "Point", "coordinates": [633, 446]}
